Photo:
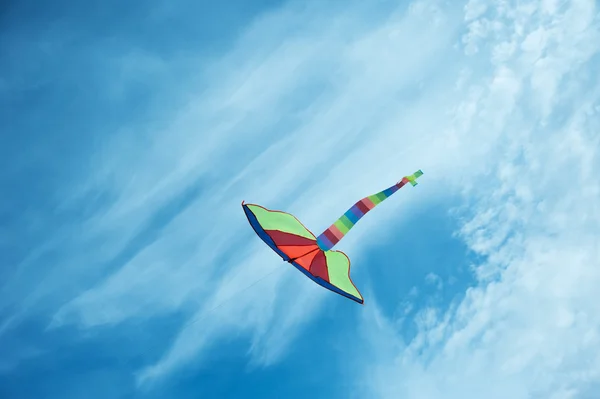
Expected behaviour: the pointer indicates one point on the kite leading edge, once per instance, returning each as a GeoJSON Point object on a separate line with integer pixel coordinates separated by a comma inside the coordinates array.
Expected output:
{"type": "Point", "coordinates": [313, 256]}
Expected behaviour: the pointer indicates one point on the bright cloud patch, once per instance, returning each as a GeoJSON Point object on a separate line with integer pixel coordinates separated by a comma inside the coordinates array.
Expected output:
{"type": "Point", "coordinates": [531, 327]}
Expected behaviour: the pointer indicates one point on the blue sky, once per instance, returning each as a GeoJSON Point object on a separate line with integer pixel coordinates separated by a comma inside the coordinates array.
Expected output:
{"type": "Point", "coordinates": [131, 132]}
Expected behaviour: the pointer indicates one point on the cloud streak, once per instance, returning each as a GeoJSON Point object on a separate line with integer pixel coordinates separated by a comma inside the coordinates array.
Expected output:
{"type": "Point", "coordinates": [150, 284]}
{"type": "Point", "coordinates": [528, 329]}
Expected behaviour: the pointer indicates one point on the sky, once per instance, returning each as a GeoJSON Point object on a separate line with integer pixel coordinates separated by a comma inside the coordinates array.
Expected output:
{"type": "Point", "coordinates": [130, 133]}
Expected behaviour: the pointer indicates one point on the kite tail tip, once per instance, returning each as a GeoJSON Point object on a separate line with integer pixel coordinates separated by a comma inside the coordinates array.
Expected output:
{"type": "Point", "coordinates": [413, 178]}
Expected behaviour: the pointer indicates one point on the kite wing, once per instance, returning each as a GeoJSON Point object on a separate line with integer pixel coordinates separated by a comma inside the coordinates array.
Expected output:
{"type": "Point", "coordinates": [291, 240]}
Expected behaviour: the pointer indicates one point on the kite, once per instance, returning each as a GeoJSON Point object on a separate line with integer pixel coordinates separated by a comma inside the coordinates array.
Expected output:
{"type": "Point", "coordinates": [313, 256]}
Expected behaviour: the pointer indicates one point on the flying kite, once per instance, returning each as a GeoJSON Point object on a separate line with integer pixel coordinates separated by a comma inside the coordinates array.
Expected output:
{"type": "Point", "coordinates": [313, 256]}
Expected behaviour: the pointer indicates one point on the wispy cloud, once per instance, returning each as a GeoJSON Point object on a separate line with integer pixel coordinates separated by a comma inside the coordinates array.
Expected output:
{"type": "Point", "coordinates": [529, 328]}
{"type": "Point", "coordinates": [192, 257]}
{"type": "Point", "coordinates": [239, 119]}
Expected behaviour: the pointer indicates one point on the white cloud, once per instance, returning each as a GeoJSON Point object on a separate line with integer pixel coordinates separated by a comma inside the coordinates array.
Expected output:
{"type": "Point", "coordinates": [530, 328]}
{"type": "Point", "coordinates": [434, 279]}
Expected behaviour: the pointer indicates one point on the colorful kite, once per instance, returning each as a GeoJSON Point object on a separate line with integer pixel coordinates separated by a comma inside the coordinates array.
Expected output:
{"type": "Point", "coordinates": [312, 255]}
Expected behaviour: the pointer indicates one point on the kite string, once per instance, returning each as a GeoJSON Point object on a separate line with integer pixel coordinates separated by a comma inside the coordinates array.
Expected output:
{"type": "Point", "coordinates": [232, 297]}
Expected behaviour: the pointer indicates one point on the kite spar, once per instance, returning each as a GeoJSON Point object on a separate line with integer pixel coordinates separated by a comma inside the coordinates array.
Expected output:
{"type": "Point", "coordinates": [314, 256]}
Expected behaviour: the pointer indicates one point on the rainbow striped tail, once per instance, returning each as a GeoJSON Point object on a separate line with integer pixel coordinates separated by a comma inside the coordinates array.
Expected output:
{"type": "Point", "coordinates": [330, 237]}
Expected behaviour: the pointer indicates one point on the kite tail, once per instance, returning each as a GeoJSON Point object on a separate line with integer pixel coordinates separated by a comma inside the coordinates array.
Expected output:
{"type": "Point", "coordinates": [330, 237]}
